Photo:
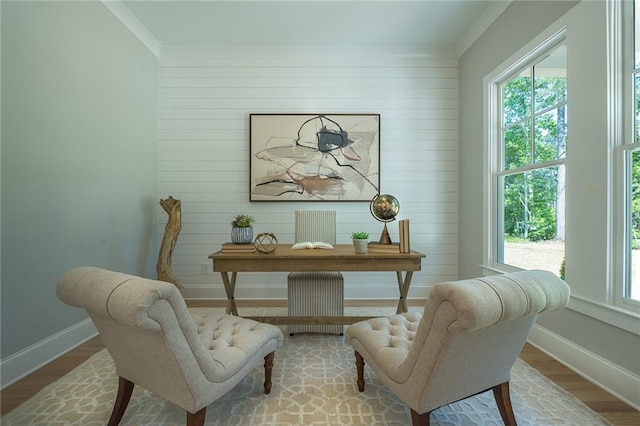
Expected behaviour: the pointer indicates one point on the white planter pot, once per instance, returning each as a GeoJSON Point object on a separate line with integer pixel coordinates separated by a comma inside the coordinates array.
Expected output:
{"type": "Point", "coordinates": [360, 246]}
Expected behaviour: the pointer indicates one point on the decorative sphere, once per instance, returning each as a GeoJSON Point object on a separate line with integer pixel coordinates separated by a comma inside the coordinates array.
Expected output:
{"type": "Point", "coordinates": [385, 207]}
{"type": "Point", "coordinates": [266, 242]}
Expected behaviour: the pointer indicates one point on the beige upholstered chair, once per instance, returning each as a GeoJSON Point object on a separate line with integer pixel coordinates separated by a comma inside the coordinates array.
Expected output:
{"type": "Point", "coordinates": [315, 293]}
{"type": "Point", "coordinates": [465, 342]}
{"type": "Point", "coordinates": [191, 357]}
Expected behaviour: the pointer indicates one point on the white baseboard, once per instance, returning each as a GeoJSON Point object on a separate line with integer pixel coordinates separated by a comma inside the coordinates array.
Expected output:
{"type": "Point", "coordinates": [28, 360]}
{"type": "Point", "coordinates": [619, 382]}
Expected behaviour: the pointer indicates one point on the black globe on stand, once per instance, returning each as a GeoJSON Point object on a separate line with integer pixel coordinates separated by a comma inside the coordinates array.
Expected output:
{"type": "Point", "coordinates": [385, 208]}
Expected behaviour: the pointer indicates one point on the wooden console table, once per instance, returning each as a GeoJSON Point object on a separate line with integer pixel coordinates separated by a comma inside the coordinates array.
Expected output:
{"type": "Point", "coordinates": [342, 259]}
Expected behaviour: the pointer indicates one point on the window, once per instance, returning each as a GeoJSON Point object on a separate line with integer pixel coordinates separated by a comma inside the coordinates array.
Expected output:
{"type": "Point", "coordinates": [530, 145]}
{"type": "Point", "coordinates": [629, 151]}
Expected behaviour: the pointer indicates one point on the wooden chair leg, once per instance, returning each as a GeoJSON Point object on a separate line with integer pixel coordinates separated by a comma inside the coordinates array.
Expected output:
{"type": "Point", "coordinates": [125, 389]}
{"type": "Point", "coordinates": [503, 400]}
{"type": "Point", "coordinates": [360, 369]}
{"type": "Point", "coordinates": [268, 367]}
{"type": "Point", "coordinates": [420, 419]}
{"type": "Point", "coordinates": [196, 419]}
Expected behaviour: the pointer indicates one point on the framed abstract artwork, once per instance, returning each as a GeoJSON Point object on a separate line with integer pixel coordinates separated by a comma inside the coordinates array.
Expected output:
{"type": "Point", "coordinates": [314, 157]}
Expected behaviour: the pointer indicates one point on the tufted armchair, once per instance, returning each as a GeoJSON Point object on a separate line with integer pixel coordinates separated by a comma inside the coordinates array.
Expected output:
{"type": "Point", "coordinates": [465, 342]}
{"type": "Point", "coordinates": [190, 357]}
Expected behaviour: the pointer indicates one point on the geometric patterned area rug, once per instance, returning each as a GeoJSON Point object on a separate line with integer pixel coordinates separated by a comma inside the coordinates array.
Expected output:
{"type": "Point", "coordinates": [314, 383]}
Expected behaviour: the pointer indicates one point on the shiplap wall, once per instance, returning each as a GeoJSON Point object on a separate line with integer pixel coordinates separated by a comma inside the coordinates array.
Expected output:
{"type": "Point", "coordinates": [205, 96]}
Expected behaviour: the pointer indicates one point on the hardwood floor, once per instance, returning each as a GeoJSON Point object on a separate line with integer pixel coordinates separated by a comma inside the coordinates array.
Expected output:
{"type": "Point", "coordinates": [600, 401]}
{"type": "Point", "coordinates": [24, 389]}
{"type": "Point", "coordinates": [603, 403]}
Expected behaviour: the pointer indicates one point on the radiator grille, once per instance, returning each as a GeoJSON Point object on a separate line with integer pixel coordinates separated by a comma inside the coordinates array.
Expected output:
{"type": "Point", "coordinates": [316, 294]}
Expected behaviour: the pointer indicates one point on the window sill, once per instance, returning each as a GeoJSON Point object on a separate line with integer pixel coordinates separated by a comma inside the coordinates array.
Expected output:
{"type": "Point", "coordinates": [619, 317]}
{"type": "Point", "coordinates": [616, 316]}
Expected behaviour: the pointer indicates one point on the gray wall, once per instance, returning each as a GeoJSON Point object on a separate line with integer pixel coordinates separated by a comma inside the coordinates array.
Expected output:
{"type": "Point", "coordinates": [587, 167]}
{"type": "Point", "coordinates": [517, 25]}
{"type": "Point", "coordinates": [78, 158]}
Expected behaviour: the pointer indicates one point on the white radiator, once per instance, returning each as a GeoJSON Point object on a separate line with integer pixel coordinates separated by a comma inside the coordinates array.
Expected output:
{"type": "Point", "coordinates": [315, 294]}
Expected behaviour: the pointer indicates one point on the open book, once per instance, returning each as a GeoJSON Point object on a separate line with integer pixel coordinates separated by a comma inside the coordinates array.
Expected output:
{"type": "Point", "coordinates": [310, 245]}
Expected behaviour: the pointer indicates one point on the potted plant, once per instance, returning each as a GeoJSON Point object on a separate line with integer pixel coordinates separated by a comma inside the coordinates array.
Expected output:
{"type": "Point", "coordinates": [242, 229]}
{"type": "Point", "coordinates": [360, 240]}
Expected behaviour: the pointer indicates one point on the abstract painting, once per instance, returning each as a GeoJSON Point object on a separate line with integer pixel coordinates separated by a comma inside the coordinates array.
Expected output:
{"type": "Point", "coordinates": [314, 157]}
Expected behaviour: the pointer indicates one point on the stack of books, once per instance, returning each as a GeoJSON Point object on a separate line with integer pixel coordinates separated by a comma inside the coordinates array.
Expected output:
{"type": "Point", "coordinates": [383, 248]}
{"type": "Point", "coordinates": [405, 246]}
{"type": "Point", "coordinates": [238, 248]}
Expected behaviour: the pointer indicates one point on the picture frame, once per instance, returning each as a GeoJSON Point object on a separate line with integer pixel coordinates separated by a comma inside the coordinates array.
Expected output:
{"type": "Point", "coordinates": [314, 157]}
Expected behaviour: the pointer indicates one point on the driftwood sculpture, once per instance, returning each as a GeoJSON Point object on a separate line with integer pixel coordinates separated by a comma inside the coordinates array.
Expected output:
{"type": "Point", "coordinates": [171, 231]}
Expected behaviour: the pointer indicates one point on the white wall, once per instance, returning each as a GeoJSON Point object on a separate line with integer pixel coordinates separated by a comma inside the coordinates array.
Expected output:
{"type": "Point", "coordinates": [205, 98]}
{"type": "Point", "coordinates": [78, 160]}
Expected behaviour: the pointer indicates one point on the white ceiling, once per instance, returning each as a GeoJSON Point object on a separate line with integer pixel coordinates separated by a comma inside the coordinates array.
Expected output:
{"type": "Point", "coordinates": [354, 23]}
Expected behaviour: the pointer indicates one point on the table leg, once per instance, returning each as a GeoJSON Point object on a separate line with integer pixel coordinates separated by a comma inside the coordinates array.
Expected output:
{"type": "Point", "coordinates": [230, 288]}
{"type": "Point", "coordinates": [403, 286]}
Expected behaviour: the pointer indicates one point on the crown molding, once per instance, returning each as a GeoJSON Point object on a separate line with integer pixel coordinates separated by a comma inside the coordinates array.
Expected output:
{"type": "Point", "coordinates": [482, 23]}
{"type": "Point", "coordinates": [129, 20]}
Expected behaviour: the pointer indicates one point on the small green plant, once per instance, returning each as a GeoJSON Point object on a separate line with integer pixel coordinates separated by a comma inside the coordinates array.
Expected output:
{"type": "Point", "coordinates": [242, 221]}
{"type": "Point", "coordinates": [360, 235]}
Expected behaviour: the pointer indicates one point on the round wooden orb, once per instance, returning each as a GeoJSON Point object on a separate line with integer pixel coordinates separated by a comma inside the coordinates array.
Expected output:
{"type": "Point", "coordinates": [266, 242]}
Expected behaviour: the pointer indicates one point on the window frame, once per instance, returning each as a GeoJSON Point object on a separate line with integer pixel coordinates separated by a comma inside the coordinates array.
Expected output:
{"type": "Point", "coordinates": [621, 135]}
{"type": "Point", "coordinates": [591, 300]}
{"type": "Point", "coordinates": [494, 171]}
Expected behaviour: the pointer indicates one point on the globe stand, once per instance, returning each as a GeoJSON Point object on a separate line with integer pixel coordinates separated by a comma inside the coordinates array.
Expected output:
{"type": "Point", "coordinates": [385, 238]}
{"type": "Point", "coordinates": [384, 208]}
